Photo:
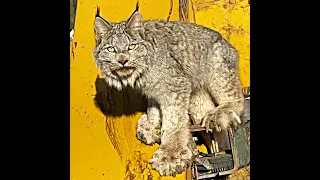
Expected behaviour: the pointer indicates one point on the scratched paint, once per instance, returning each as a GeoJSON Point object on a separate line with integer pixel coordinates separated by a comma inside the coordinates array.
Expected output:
{"type": "Point", "coordinates": [232, 19]}
{"type": "Point", "coordinates": [103, 142]}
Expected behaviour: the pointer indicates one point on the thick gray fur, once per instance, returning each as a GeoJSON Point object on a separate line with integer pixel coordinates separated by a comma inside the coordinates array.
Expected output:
{"type": "Point", "coordinates": [184, 69]}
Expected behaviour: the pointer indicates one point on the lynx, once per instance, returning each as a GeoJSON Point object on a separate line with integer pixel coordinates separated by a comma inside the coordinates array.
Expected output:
{"type": "Point", "coordinates": [186, 70]}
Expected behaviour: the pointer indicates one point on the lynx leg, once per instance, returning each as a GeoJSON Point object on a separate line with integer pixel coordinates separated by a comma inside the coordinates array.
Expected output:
{"type": "Point", "coordinates": [149, 125]}
{"type": "Point", "coordinates": [200, 103]}
{"type": "Point", "coordinates": [177, 148]}
{"type": "Point", "coordinates": [225, 88]}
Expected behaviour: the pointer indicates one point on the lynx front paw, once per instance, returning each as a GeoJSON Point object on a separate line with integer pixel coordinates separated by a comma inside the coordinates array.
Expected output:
{"type": "Point", "coordinates": [147, 132]}
{"type": "Point", "coordinates": [220, 119]}
{"type": "Point", "coordinates": [171, 161]}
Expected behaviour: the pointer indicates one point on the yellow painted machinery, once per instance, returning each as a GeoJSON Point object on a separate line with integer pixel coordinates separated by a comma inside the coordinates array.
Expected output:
{"type": "Point", "coordinates": [103, 143]}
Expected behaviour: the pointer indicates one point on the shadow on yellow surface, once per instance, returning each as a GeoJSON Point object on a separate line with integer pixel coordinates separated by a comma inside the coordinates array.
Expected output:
{"type": "Point", "coordinates": [115, 103]}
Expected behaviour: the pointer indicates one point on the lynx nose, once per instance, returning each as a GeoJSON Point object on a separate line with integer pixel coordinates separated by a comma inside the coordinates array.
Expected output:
{"type": "Point", "coordinates": [123, 61]}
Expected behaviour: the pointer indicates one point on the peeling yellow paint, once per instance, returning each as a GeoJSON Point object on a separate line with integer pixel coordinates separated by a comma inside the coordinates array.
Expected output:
{"type": "Point", "coordinates": [105, 146]}
{"type": "Point", "coordinates": [232, 19]}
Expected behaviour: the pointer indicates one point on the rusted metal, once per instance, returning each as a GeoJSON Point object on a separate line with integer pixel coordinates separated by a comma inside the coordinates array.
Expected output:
{"type": "Point", "coordinates": [213, 174]}
{"type": "Point", "coordinates": [196, 128]}
{"type": "Point", "coordinates": [184, 10]}
{"type": "Point", "coordinates": [170, 11]}
{"type": "Point", "coordinates": [246, 91]}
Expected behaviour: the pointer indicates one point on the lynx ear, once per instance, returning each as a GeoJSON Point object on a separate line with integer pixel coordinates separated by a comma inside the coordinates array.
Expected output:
{"type": "Point", "coordinates": [101, 28]}
{"type": "Point", "coordinates": [135, 21]}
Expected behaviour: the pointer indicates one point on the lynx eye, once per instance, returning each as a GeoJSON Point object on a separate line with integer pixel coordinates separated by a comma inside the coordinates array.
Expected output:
{"type": "Point", "coordinates": [132, 46]}
{"type": "Point", "coordinates": [111, 49]}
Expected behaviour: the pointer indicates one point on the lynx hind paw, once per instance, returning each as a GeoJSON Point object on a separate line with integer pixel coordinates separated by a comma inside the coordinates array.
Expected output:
{"type": "Point", "coordinates": [146, 132]}
{"type": "Point", "coordinates": [171, 161]}
{"type": "Point", "coordinates": [220, 119]}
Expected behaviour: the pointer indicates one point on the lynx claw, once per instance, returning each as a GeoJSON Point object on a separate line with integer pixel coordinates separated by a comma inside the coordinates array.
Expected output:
{"type": "Point", "coordinates": [205, 124]}
{"type": "Point", "coordinates": [208, 124]}
{"type": "Point", "coordinates": [220, 120]}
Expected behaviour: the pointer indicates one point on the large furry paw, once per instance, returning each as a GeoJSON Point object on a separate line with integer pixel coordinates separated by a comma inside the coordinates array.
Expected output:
{"type": "Point", "coordinates": [220, 119]}
{"type": "Point", "coordinates": [170, 161]}
{"type": "Point", "coordinates": [147, 132]}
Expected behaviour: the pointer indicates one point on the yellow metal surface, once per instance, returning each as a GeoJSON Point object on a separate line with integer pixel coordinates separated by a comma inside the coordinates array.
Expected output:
{"type": "Point", "coordinates": [232, 19]}
{"type": "Point", "coordinates": [104, 145]}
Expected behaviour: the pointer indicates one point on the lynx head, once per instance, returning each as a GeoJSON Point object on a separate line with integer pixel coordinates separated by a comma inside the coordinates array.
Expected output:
{"type": "Point", "coordinates": [120, 51]}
